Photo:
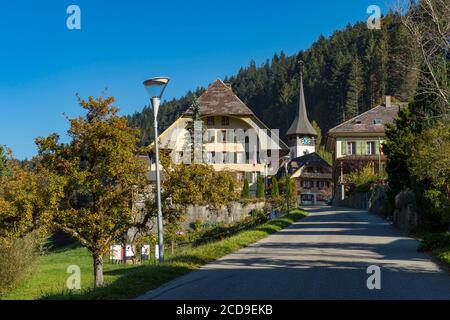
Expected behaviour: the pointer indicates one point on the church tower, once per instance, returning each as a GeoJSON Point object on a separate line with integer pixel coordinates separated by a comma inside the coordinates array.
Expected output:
{"type": "Point", "coordinates": [301, 134]}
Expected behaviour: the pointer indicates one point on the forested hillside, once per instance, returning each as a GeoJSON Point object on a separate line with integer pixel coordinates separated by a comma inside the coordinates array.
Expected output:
{"type": "Point", "coordinates": [344, 75]}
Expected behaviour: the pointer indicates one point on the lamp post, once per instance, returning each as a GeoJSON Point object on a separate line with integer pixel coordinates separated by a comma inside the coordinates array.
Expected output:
{"type": "Point", "coordinates": [155, 88]}
{"type": "Point", "coordinates": [265, 176]}
{"type": "Point", "coordinates": [286, 171]}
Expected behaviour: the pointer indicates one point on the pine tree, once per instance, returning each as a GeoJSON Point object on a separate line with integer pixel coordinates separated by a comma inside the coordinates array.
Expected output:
{"type": "Point", "coordinates": [193, 148]}
{"type": "Point", "coordinates": [260, 188]}
{"type": "Point", "coordinates": [355, 88]}
{"type": "Point", "coordinates": [3, 160]}
{"type": "Point", "coordinates": [275, 189]}
{"type": "Point", "coordinates": [318, 131]}
{"type": "Point", "coordinates": [245, 190]}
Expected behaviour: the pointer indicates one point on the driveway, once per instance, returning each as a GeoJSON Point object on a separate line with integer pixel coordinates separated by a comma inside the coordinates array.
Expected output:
{"type": "Point", "coordinates": [323, 256]}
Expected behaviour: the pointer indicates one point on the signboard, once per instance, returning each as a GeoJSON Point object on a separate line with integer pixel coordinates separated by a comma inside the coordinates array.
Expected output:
{"type": "Point", "coordinates": [156, 251]}
{"type": "Point", "coordinates": [130, 252]}
{"type": "Point", "coordinates": [116, 253]}
{"type": "Point", "coordinates": [145, 252]}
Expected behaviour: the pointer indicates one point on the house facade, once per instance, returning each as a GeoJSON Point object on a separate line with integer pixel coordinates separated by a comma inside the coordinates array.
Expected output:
{"type": "Point", "coordinates": [359, 141]}
{"type": "Point", "coordinates": [232, 138]}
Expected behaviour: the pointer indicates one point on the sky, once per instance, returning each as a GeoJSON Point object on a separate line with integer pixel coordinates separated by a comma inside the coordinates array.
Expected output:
{"type": "Point", "coordinates": [43, 64]}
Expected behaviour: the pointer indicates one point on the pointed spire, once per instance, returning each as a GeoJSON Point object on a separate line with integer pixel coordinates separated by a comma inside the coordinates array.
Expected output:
{"type": "Point", "coordinates": [301, 124]}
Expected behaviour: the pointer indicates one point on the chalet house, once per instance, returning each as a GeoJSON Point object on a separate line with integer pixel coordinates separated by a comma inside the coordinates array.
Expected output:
{"type": "Point", "coordinates": [358, 141]}
{"type": "Point", "coordinates": [226, 142]}
{"type": "Point", "coordinates": [311, 173]}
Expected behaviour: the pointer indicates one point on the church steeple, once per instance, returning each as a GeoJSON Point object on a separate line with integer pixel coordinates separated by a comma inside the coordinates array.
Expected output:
{"type": "Point", "coordinates": [301, 133]}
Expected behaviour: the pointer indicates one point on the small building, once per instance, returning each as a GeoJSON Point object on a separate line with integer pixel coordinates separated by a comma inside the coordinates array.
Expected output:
{"type": "Point", "coordinates": [359, 141]}
{"type": "Point", "coordinates": [313, 176]}
{"type": "Point", "coordinates": [226, 140]}
{"type": "Point", "coordinates": [311, 173]}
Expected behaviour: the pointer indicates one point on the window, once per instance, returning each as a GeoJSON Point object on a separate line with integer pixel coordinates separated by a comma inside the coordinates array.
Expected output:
{"type": "Point", "coordinates": [240, 157]}
{"type": "Point", "coordinates": [224, 136]}
{"type": "Point", "coordinates": [351, 147]}
{"type": "Point", "coordinates": [306, 184]}
{"type": "Point", "coordinates": [210, 136]}
{"type": "Point", "coordinates": [210, 121]}
{"type": "Point", "coordinates": [370, 147]}
{"type": "Point", "coordinates": [225, 121]}
{"type": "Point", "coordinates": [225, 157]}
{"type": "Point", "coordinates": [377, 121]}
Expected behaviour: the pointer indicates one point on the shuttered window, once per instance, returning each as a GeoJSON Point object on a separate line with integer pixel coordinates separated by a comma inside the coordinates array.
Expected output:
{"type": "Point", "coordinates": [370, 147]}
{"type": "Point", "coordinates": [351, 147]}
{"type": "Point", "coordinates": [343, 147]}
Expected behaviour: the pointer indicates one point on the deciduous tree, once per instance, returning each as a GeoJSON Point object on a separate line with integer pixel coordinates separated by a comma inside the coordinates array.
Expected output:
{"type": "Point", "coordinates": [100, 175]}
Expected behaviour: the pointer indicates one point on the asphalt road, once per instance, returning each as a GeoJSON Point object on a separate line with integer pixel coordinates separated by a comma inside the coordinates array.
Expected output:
{"type": "Point", "coordinates": [323, 256]}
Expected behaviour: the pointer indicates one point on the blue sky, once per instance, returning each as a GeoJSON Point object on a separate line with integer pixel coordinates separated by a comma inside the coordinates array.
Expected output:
{"type": "Point", "coordinates": [121, 43]}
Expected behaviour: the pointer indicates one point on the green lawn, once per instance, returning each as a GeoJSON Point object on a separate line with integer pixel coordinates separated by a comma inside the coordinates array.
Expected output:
{"type": "Point", "coordinates": [48, 280]}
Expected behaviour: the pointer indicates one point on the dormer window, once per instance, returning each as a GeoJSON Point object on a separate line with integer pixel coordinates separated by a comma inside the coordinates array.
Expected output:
{"type": "Point", "coordinates": [225, 121]}
{"type": "Point", "coordinates": [210, 121]}
{"type": "Point", "coordinates": [377, 121]}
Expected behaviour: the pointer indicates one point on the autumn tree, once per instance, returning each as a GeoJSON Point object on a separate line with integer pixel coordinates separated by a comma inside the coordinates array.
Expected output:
{"type": "Point", "coordinates": [184, 185]}
{"type": "Point", "coordinates": [100, 175]}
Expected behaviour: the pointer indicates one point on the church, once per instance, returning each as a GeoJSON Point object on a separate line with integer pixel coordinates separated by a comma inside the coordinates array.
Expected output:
{"type": "Point", "coordinates": [311, 173]}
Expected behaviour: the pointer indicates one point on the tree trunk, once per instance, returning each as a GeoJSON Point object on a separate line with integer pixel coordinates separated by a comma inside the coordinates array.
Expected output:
{"type": "Point", "coordinates": [98, 270]}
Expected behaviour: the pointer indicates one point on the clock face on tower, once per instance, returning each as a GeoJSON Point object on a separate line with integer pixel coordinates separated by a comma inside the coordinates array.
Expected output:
{"type": "Point", "coordinates": [306, 141]}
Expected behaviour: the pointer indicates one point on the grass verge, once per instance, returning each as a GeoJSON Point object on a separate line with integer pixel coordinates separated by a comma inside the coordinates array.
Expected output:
{"type": "Point", "coordinates": [129, 281]}
{"type": "Point", "coordinates": [438, 244]}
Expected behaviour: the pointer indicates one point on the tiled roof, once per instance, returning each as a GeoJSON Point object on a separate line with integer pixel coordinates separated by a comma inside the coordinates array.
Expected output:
{"type": "Point", "coordinates": [309, 159]}
{"type": "Point", "coordinates": [219, 99]}
{"type": "Point", "coordinates": [371, 121]}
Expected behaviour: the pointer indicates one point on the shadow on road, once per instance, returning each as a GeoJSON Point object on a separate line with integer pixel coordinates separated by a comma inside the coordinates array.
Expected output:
{"type": "Point", "coordinates": [324, 256]}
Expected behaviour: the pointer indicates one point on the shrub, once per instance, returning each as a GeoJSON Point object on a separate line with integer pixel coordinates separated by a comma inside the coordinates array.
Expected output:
{"type": "Point", "coordinates": [257, 214]}
{"type": "Point", "coordinates": [17, 260]}
{"type": "Point", "coordinates": [196, 225]}
{"type": "Point", "coordinates": [363, 179]}
{"type": "Point", "coordinates": [432, 241]}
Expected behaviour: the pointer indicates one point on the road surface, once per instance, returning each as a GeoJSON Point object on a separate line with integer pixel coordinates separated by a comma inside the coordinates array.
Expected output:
{"type": "Point", "coordinates": [323, 256]}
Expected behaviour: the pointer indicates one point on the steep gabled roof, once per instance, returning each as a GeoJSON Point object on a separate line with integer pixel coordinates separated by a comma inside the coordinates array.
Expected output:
{"type": "Point", "coordinates": [312, 159]}
{"type": "Point", "coordinates": [301, 124]}
{"type": "Point", "coordinates": [219, 99]}
{"type": "Point", "coordinates": [371, 121]}
{"type": "Point", "coordinates": [309, 159]}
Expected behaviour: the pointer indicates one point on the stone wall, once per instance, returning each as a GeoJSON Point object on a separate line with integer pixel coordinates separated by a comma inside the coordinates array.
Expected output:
{"type": "Point", "coordinates": [357, 200]}
{"type": "Point", "coordinates": [233, 212]}
{"type": "Point", "coordinates": [405, 214]}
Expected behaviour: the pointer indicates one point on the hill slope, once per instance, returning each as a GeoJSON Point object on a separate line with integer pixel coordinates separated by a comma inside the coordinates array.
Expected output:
{"type": "Point", "coordinates": [344, 75]}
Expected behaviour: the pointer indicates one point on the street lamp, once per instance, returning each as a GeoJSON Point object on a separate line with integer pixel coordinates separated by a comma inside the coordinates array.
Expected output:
{"type": "Point", "coordinates": [155, 88]}
{"type": "Point", "coordinates": [265, 175]}
{"type": "Point", "coordinates": [286, 171]}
